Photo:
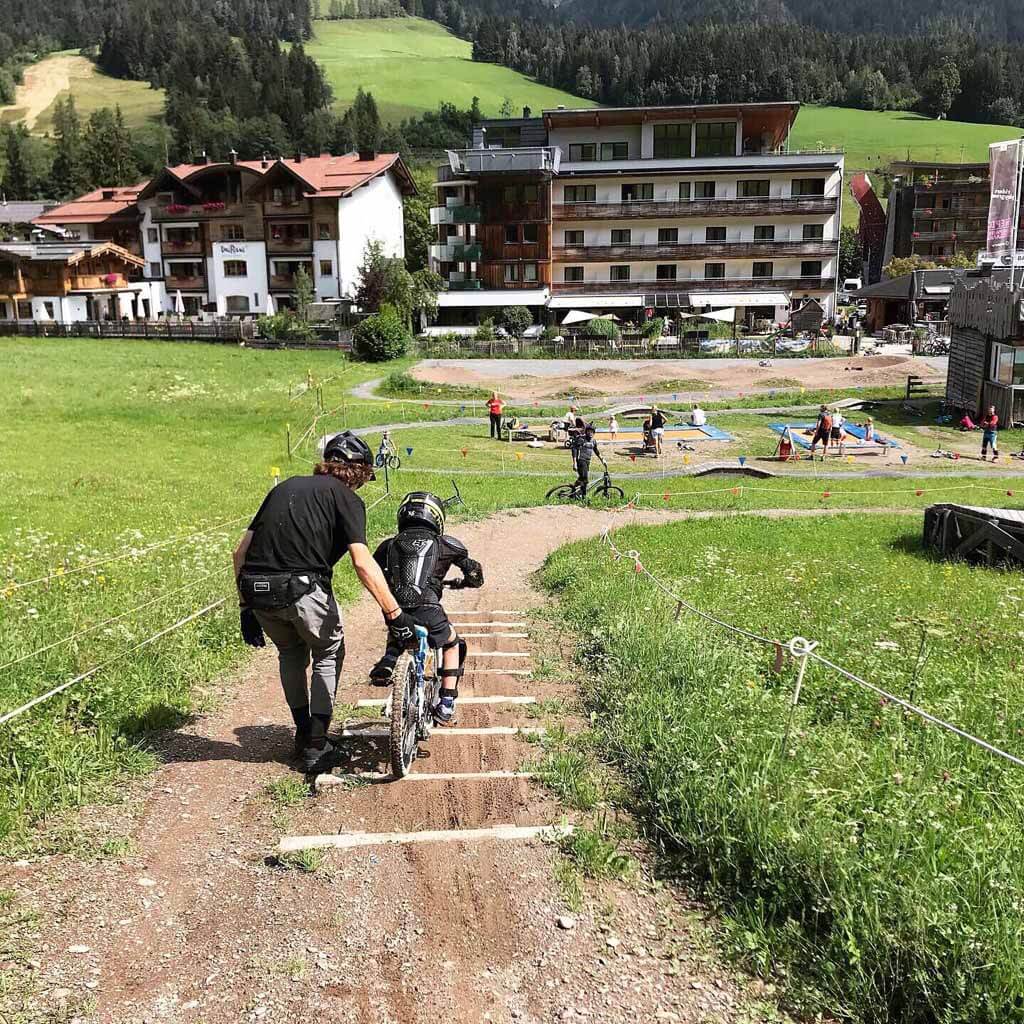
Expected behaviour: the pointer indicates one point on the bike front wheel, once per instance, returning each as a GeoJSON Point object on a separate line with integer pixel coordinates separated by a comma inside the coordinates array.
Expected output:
{"type": "Point", "coordinates": [404, 716]}
{"type": "Point", "coordinates": [394, 462]}
{"type": "Point", "coordinates": [608, 492]}
{"type": "Point", "coordinates": [563, 492]}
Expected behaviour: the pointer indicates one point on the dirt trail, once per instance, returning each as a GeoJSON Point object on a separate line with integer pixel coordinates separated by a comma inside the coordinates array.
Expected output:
{"type": "Point", "coordinates": [42, 83]}
{"type": "Point", "coordinates": [198, 925]}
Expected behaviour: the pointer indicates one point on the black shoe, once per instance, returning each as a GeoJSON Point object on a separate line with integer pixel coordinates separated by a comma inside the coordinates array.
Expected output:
{"type": "Point", "coordinates": [381, 673]}
{"type": "Point", "coordinates": [301, 742]}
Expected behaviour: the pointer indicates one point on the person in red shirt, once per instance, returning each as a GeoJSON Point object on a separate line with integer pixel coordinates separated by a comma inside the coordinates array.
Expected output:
{"type": "Point", "coordinates": [495, 406]}
{"type": "Point", "coordinates": [990, 424]}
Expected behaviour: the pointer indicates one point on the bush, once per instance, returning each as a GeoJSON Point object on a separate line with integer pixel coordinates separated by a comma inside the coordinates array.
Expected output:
{"type": "Point", "coordinates": [485, 332]}
{"type": "Point", "coordinates": [551, 332]}
{"type": "Point", "coordinates": [284, 326]}
{"type": "Point", "coordinates": [516, 319]}
{"type": "Point", "coordinates": [602, 328]}
{"type": "Point", "coordinates": [653, 328]}
{"type": "Point", "coordinates": [381, 337]}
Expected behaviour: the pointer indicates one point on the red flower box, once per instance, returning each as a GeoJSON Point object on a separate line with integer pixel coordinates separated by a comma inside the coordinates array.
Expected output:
{"type": "Point", "coordinates": [110, 279]}
{"type": "Point", "coordinates": [213, 207]}
{"type": "Point", "coordinates": [176, 208]}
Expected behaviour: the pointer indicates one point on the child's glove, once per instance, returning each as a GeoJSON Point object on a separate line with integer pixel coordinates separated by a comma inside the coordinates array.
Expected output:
{"type": "Point", "coordinates": [252, 631]}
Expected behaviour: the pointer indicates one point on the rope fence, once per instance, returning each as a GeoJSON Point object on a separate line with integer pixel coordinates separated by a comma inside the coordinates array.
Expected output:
{"type": "Point", "coordinates": [800, 650]}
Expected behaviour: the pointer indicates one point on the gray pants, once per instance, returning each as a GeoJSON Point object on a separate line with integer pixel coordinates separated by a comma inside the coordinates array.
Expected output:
{"type": "Point", "coordinates": [311, 626]}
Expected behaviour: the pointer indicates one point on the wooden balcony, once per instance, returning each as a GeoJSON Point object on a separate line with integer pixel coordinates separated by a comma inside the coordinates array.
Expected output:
{"type": "Point", "coordinates": [949, 235]}
{"type": "Point", "coordinates": [290, 246]}
{"type": "Point", "coordinates": [711, 284]}
{"type": "Point", "coordinates": [284, 282]}
{"type": "Point", "coordinates": [12, 286]}
{"type": "Point", "coordinates": [693, 251]}
{"type": "Point", "coordinates": [297, 208]}
{"type": "Point", "coordinates": [204, 211]}
{"type": "Point", "coordinates": [696, 208]}
{"type": "Point", "coordinates": [192, 284]}
{"type": "Point", "coordinates": [172, 249]}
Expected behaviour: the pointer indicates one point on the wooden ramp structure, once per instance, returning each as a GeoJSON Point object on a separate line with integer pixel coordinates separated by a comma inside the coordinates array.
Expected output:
{"type": "Point", "coordinates": [990, 536]}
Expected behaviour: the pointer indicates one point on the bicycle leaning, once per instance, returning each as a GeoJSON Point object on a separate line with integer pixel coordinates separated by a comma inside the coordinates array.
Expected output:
{"type": "Point", "coordinates": [603, 489]}
{"type": "Point", "coordinates": [387, 453]}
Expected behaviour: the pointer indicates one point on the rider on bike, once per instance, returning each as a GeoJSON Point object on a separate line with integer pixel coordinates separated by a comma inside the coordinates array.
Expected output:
{"type": "Point", "coordinates": [415, 562]}
{"type": "Point", "coordinates": [584, 448]}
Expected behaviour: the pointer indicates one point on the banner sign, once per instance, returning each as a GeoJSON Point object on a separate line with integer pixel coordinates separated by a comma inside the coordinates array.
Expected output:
{"type": "Point", "coordinates": [1004, 164]}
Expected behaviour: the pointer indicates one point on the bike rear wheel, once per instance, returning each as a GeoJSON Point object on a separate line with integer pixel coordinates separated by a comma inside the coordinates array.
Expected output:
{"type": "Point", "coordinates": [404, 716]}
{"type": "Point", "coordinates": [563, 492]}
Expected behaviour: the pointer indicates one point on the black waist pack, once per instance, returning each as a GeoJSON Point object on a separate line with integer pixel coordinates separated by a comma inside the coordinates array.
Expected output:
{"type": "Point", "coordinates": [271, 591]}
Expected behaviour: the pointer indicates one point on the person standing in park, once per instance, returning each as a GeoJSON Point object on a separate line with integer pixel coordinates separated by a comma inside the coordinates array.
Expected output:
{"type": "Point", "coordinates": [822, 432]}
{"type": "Point", "coordinates": [657, 428]}
{"type": "Point", "coordinates": [495, 406]}
{"type": "Point", "coordinates": [990, 436]}
{"type": "Point", "coordinates": [283, 568]}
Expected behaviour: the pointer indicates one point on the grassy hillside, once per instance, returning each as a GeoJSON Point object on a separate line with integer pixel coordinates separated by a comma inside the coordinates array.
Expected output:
{"type": "Point", "coordinates": [68, 72]}
{"type": "Point", "coordinates": [411, 65]}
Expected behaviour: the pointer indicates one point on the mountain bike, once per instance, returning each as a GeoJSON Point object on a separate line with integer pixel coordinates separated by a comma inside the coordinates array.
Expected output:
{"type": "Point", "coordinates": [387, 454]}
{"type": "Point", "coordinates": [603, 489]}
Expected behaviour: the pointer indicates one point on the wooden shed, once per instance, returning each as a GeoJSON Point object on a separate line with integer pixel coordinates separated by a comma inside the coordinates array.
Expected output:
{"type": "Point", "coordinates": [809, 317]}
{"type": "Point", "coordinates": [986, 354]}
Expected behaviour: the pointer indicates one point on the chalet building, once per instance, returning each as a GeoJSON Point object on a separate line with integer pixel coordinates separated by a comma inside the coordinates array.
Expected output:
{"type": "Point", "coordinates": [228, 238]}
{"type": "Point", "coordinates": [71, 281]}
{"type": "Point", "coordinates": [937, 210]}
{"type": "Point", "coordinates": [622, 209]}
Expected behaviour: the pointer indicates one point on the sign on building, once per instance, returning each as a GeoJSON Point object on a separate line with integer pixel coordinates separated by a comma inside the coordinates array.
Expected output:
{"type": "Point", "coordinates": [1003, 208]}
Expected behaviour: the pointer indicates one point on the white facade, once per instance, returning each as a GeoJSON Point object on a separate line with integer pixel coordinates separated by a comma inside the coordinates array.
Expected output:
{"type": "Point", "coordinates": [233, 291]}
{"type": "Point", "coordinates": [371, 213]}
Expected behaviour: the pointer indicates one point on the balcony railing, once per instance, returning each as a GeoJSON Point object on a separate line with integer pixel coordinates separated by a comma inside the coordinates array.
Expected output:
{"type": "Point", "coordinates": [285, 282]}
{"type": "Point", "coordinates": [521, 160]}
{"type": "Point", "coordinates": [955, 209]}
{"type": "Point", "coordinates": [455, 215]}
{"type": "Point", "coordinates": [11, 286]}
{"type": "Point", "coordinates": [693, 250]}
{"type": "Point", "coordinates": [456, 253]}
{"type": "Point", "coordinates": [172, 248]}
{"type": "Point", "coordinates": [696, 208]}
{"type": "Point", "coordinates": [949, 236]}
{"type": "Point", "coordinates": [297, 208]}
{"type": "Point", "coordinates": [696, 284]}
{"type": "Point", "coordinates": [290, 244]}
{"type": "Point", "coordinates": [192, 282]}
{"type": "Point", "coordinates": [468, 285]}
{"type": "Point", "coordinates": [963, 185]}
{"type": "Point", "coordinates": [203, 211]}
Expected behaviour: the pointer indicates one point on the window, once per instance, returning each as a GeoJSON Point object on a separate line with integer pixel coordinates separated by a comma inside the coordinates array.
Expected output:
{"type": "Point", "coordinates": [618, 273]}
{"type": "Point", "coordinates": [191, 303]}
{"type": "Point", "coordinates": [509, 194]}
{"type": "Point", "coordinates": [580, 193]}
{"type": "Point", "coordinates": [326, 268]}
{"type": "Point", "coordinates": [283, 194]}
{"type": "Point", "coordinates": [764, 232]}
{"type": "Point", "coordinates": [756, 189]}
{"type": "Point", "coordinates": [621, 236]}
{"type": "Point", "coordinates": [572, 274]}
{"type": "Point", "coordinates": [530, 234]}
{"type": "Point", "coordinates": [529, 271]}
{"type": "Point", "coordinates": [763, 270]}
{"type": "Point", "coordinates": [299, 231]}
{"type": "Point", "coordinates": [703, 190]}
{"type": "Point", "coordinates": [4, 315]}
{"type": "Point", "coordinates": [574, 238]}
{"type": "Point", "coordinates": [614, 150]}
{"type": "Point", "coordinates": [1008, 365]}
{"type": "Point", "coordinates": [323, 231]}
{"type": "Point", "coordinates": [716, 234]}
{"type": "Point", "coordinates": [511, 273]}
{"type": "Point", "coordinates": [506, 136]}
{"type": "Point", "coordinates": [810, 268]}
{"type": "Point", "coordinates": [643, 192]}
{"type": "Point", "coordinates": [511, 234]}
{"type": "Point", "coordinates": [814, 232]}
{"type": "Point", "coordinates": [155, 270]}
{"type": "Point", "coordinates": [714, 270]}
{"type": "Point", "coordinates": [666, 272]}
{"type": "Point", "coordinates": [232, 232]}
{"type": "Point", "coordinates": [671, 140]}
{"type": "Point", "coordinates": [48, 306]}
{"type": "Point", "coordinates": [582, 152]}
{"type": "Point", "coordinates": [668, 236]}
{"type": "Point", "coordinates": [235, 268]}
{"type": "Point", "coordinates": [165, 198]}
{"type": "Point", "coordinates": [237, 304]}
{"type": "Point", "coordinates": [24, 309]}
{"type": "Point", "coordinates": [531, 193]}
{"type": "Point", "coordinates": [715, 138]}
{"type": "Point", "coordinates": [808, 186]}
{"type": "Point", "coordinates": [152, 235]}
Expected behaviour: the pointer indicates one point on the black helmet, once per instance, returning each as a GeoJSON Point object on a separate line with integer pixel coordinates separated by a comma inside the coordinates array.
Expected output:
{"type": "Point", "coordinates": [421, 508]}
{"type": "Point", "coordinates": [346, 447]}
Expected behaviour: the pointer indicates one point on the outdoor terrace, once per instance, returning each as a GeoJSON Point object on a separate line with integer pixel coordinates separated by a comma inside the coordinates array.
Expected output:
{"type": "Point", "coordinates": [695, 208]}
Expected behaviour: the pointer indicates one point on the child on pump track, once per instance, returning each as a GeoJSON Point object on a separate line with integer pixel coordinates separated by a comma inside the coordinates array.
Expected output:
{"type": "Point", "coordinates": [415, 562]}
{"type": "Point", "coordinates": [584, 448]}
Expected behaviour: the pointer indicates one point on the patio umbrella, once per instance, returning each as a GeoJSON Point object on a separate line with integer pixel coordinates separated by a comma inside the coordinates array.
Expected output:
{"type": "Point", "coordinates": [179, 303]}
{"type": "Point", "coordinates": [577, 316]}
{"type": "Point", "coordinates": [725, 316]}
{"type": "Point", "coordinates": [41, 315]}
{"type": "Point", "coordinates": [270, 310]}
{"type": "Point", "coordinates": [222, 305]}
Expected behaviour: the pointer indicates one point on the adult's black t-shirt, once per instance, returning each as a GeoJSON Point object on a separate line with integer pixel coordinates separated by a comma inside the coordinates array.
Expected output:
{"type": "Point", "coordinates": [305, 524]}
{"type": "Point", "coordinates": [657, 421]}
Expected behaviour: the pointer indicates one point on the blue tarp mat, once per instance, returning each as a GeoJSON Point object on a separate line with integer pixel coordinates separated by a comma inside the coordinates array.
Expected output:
{"type": "Point", "coordinates": [796, 432]}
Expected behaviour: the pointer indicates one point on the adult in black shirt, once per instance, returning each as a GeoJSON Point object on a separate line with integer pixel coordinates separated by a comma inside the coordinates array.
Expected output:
{"type": "Point", "coordinates": [584, 448]}
{"type": "Point", "coordinates": [284, 564]}
{"type": "Point", "coordinates": [657, 427]}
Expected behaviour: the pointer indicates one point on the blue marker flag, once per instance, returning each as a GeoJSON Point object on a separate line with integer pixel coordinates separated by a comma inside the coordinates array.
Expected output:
{"type": "Point", "coordinates": [903, 458]}
{"type": "Point", "coordinates": [408, 451]}
{"type": "Point", "coordinates": [743, 459]}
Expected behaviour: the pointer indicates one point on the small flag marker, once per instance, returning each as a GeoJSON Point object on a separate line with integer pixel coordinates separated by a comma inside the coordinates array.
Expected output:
{"type": "Point", "coordinates": [408, 451]}
{"type": "Point", "coordinates": [743, 460]}
{"type": "Point", "coordinates": [903, 459]}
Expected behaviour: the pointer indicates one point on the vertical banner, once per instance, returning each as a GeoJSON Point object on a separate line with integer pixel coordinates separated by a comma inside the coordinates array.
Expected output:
{"type": "Point", "coordinates": [1004, 165]}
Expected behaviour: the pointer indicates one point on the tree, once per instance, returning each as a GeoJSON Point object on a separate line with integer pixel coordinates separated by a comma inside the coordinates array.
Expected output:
{"type": "Point", "coordinates": [304, 294]}
{"type": "Point", "coordinates": [20, 178]}
{"type": "Point", "coordinates": [425, 286]}
{"type": "Point", "coordinates": [384, 280]}
{"type": "Point", "coordinates": [381, 337]}
{"type": "Point", "coordinates": [416, 214]}
{"type": "Point", "coordinates": [941, 87]}
{"type": "Point", "coordinates": [506, 109]}
{"type": "Point", "coordinates": [516, 319]}
{"type": "Point", "coordinates": [851, 258]}
{"type": "Point", "coordinates": [107, 149]}
{"type": "Point", "coordinates": [68, 175]}
{"type": "Point", "coordinates": [899, 266]}
{"type": "Point", "coordinates": [363, 122]}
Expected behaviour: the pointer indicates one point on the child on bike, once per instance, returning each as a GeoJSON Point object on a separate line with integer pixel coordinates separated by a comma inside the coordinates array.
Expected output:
{"type": "Point", "coordinates": [415, 562]}
{"type": "Point", "coordinates": [584, 448]}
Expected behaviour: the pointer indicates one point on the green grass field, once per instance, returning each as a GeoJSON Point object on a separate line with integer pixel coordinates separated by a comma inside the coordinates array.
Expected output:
{"type": "Point", "coordinates": [856, 851]}
{"type": "Point", "coordinates": [411, 65]}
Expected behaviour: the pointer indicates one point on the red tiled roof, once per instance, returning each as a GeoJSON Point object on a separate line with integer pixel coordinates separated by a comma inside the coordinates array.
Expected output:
{"type": "Point", "coordinates": [92, 207]}
{"type": "Point", "coordinates": [329, 175]}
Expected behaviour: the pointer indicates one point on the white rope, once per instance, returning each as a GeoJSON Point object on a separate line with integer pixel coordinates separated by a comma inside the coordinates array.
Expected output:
{"type": "Point", "coordinates": [114, 618]}
{"type": "Point", "coordinates": [15, 712]}
{"type": "Point", "coordinates": [130, 553]}
{"type": "Point", "coordinates": [803, 649]}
